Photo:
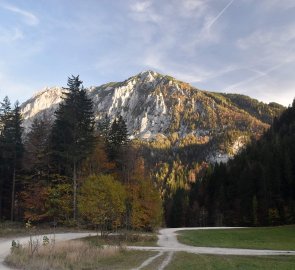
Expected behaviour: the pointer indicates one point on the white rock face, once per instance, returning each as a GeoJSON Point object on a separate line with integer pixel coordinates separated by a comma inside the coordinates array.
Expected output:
{"type": "Point", "coordinates": [152, 105]}
{"type": "Point", "coordinates": [144, 110]}
{"type": "Point", "coordinates": [135, 99]}
{"type": "Point", "coordinates": [219, 156]}
{"type": "Point", "coordinates": [45, 101]}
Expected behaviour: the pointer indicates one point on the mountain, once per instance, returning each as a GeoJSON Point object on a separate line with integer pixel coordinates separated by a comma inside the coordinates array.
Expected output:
{"type": "Point", "coordinates": [256, 187]}
{"type": "Point", "coordinates": [159, 108]}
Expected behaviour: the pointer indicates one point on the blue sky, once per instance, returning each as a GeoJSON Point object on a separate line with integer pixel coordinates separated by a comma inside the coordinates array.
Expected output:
{"type": "Point", "coordinates": [241, 46]}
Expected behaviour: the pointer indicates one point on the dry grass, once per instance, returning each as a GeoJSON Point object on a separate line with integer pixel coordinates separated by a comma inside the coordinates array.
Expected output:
{"type": "Point", "coordinates": [63, 255]}
{"type": "Point", "coordinates": [11, 228]}
{"type": "Point", "coordinates": [130, 239]}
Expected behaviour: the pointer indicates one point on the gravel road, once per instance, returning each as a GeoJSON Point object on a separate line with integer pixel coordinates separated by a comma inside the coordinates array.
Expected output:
{"type": "Point", "coordinates": [5, 243]}
{"type": "Point", "coordinates": [167, 243]}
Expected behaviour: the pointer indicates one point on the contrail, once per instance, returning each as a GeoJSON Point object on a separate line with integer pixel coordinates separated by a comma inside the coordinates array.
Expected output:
{"type": "Point", "coordinates": [260, 75]}
{"type": "Point", "coordinates": [219, 14]}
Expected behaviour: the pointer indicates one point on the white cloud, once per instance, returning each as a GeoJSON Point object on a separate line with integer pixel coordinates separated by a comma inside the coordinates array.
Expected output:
{"type": "Point", "coordinates": [141, 6]}
{"type": "Point", "coordinates": [268, 39]}
{"type": "Point", "coordinates": [10, 35]}
{"type": "Point", "coordinates": [29, 17]}
{"type": "Point", "coordinates": [285, 4]}
{"type": "Point", "coordinates": [156, 59]}
{"type": "Point", "coordinates": [193, 4]}
{"type": "Point", "coordinates": [143, 11]}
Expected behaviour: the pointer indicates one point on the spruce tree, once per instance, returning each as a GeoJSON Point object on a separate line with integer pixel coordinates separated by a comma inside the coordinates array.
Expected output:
{"type": "Point", "coordinates": [72, 136]}
{"type": "Point", "coordinates": [17, 151]}
{"type": "Point", "coordinates": [103, 127]}
{"type": "Point", "coordinates": [11, 148]}
{"type": "Point", "coordinates": [5, 117]}
{"type": "Point", "coordinates": [37, 146]}
{"type": "Point", "coordinates": [117, 139]}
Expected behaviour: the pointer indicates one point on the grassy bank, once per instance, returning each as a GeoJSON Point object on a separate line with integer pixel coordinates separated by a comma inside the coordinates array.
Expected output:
{"type": "Point", "coordinates": [281, 238]}
{"type": "Point", "coordinates": [9, 229]}
{"type": "Point", "coordinates": [131, 239]}
{"type": "Point", "coordinates": [186, 261]}
{"type": "Point", "coordinates": [76, 255]}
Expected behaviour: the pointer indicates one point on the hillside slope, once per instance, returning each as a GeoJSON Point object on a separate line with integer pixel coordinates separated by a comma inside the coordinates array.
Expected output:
{"type": "Point", "coordinates": [256, 187]}
{"type": "Point", "coordinates": [161, 108]}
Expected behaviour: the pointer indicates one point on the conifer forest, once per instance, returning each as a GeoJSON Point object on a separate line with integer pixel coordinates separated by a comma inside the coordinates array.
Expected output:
{"type": "Point", "coordinates": [76, 169]}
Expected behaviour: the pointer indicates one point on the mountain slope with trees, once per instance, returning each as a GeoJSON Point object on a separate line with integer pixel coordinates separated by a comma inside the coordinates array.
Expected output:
{"type": "Point", "coordinates": [168, 113]}
{"type": "Point", "coordinates": [255, 188]}
{"type": "Point", "coordinates": [154, 139]}
{"type": "Point", "coordinates": [73, 171]}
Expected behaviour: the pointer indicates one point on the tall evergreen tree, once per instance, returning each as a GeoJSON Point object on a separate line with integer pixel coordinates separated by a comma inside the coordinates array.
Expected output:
{"type": "Point", "coordinates": [11, 152]}
{"type": "Point", "coordinates": [103, 127]}
{"type": "Point", "coordinates": [17, 151]}
{"type": "Point", "coordinates": [37, 147]}
{"type": "Point", "coordinates": [118, 138]}
{"type": "Point", "coordinates": [72, 136]}
{"type": "Point", "coordinates": [5, 117]}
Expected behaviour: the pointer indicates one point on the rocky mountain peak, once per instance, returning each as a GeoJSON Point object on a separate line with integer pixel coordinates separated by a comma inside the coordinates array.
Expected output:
{"type": "Point", "coordinates": [157, 106]}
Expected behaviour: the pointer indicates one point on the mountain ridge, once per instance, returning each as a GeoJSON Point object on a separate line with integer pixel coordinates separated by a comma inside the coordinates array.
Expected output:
{"type": "Point", "coordinates": [153, 104]}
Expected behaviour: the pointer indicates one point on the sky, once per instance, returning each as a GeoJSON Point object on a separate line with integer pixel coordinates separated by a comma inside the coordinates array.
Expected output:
{"type": "Point", "coordinates": [232, 46]}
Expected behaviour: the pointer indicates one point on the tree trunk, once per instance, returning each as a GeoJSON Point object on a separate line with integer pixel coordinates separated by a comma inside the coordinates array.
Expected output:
{"type": "Point", "coordinates": [12, 196]}
{"type": "Point", "coordinates": [74, 191]}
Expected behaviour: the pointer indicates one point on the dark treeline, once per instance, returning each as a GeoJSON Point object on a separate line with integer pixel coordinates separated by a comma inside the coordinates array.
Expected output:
{"type": "Point", "coordinates": [255, 188]}
{"type": "Point", "coordinates": [50, 173]}
{"type": "Point", "coordinates": [11, 154]}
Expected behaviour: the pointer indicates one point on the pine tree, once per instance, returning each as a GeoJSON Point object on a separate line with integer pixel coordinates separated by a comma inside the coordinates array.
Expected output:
{"type": "Point", "coordinates": [5, 117]}
{"type": "Point", "coordinates": [11, 152]}
{"type": "Point", "coordinates": [117, 139]}
{"type": "Point", "coordinates": [103, 127]}
{"type": "Point", "coordinates": [17, 150]}
{"type": "Point", "coordinates": [37, 146]}
{"type": "Point", "coordinates": [72, 136]}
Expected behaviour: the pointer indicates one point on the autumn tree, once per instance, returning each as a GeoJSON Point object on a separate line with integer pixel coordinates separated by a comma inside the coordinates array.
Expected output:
{"type": "Point", "coordinates": [143, 204]}
{"type": "Point", "coordinates": [102, 201]}
{"type": "Point", "coordinates": [43, 202]}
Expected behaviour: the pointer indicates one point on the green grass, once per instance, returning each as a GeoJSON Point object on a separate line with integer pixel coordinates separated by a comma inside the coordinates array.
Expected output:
{"type": "Point", "coordinates": [186, 261]}
{"type": "Point", "coordinates": [132, 239]}
{"type": "Point", "coordinates": [281, 238]}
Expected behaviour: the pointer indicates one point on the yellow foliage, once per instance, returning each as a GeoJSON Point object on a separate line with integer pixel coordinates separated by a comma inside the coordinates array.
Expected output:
{"type": "Point", "coordinates": [102, 201]}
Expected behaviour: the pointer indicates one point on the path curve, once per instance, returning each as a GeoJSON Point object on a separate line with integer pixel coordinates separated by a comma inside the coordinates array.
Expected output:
{"type": "Point", "coordinates": [168, 242]}
{"type": "Point", "coordinates": [5, 244]}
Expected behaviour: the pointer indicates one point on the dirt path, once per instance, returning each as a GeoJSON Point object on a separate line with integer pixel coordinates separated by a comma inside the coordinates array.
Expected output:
{"type": "Point", "coordinates": [167, 244]}
{"type": "Point", "coordinates": [5, 244]}
{"type": "Point", "coordinates": [149, 261]}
